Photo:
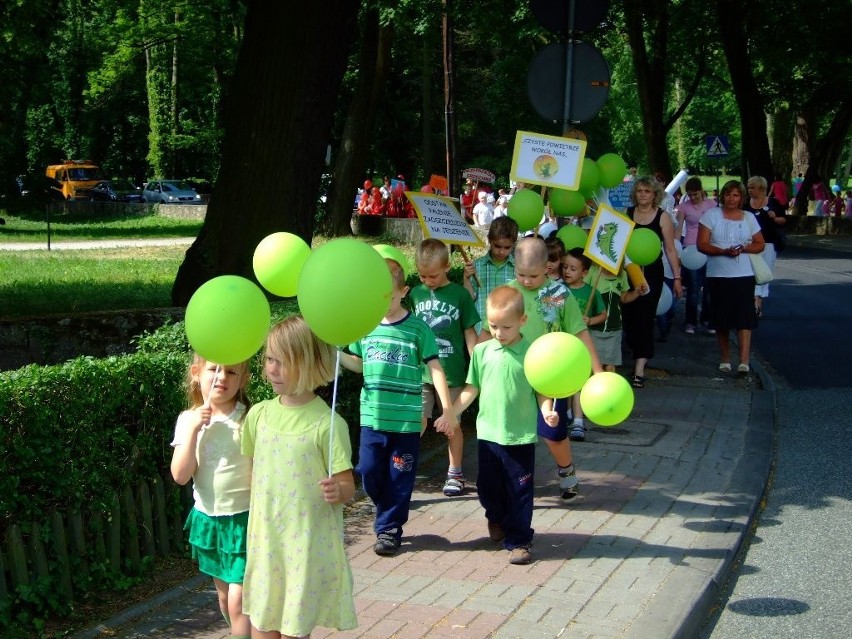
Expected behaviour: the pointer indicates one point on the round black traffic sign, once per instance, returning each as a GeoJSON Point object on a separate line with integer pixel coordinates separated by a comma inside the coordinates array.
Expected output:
{"type": "Point", "coordinates": [589, 82]}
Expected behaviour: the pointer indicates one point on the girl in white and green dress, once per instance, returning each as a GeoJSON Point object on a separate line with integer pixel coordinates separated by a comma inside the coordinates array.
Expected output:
{"type": "Point", "coordinates": [298, 575]}
{"type": "Point", "coordinates": [207, 450]}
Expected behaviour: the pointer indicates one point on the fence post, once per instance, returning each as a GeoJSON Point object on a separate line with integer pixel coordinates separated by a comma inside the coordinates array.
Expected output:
{"type": "Point", "coordinates": [17, 557]}
{"type": "Point", "coordinates": [143, 499]}
{"type": "Point", "coordinates": [114, 534]}
{"type": "Point", "coordinates": [160, 518]}
{"type": "Point", "coordinates": [61, 549]}
{"type": "Point", "coordinates": [131, 529]}
{"type": "Point", "coordinates": [78, 544]}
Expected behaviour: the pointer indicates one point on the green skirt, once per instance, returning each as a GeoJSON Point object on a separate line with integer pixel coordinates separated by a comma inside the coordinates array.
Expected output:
{"type": "Point", "coordinates": [219, 544]}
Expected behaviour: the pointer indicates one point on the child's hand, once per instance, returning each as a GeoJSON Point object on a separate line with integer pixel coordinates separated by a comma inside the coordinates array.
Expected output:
{"type": "Point", "coordinates": [330, 490]}
{"type": "Point", "coordinates": [447, 423]}
{"type": "Point", "coordinates": [642, 289]}
{"type": "Point", "coordinates": [469, 270]}
{"type": "Point", "coordinates": [586, 320]}
{"type": "Point", "coordinates": [551, 418]}
{"type": "Point", "coordinates": [202, 416]}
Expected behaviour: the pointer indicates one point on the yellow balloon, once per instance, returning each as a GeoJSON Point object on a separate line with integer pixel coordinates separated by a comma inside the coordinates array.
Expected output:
{"type": "Point", "coordinates": [607, 399]}
{"type": "Point", "coordinates": [557, 364]}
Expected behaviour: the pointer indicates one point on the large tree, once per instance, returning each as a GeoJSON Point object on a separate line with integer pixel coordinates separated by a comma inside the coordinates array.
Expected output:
{"type": "Point", "coordinates": [277, 126]}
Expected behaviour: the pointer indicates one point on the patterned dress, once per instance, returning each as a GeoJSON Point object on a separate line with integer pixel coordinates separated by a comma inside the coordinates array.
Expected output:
{"type": "Point", "coordinates": [297, 575]}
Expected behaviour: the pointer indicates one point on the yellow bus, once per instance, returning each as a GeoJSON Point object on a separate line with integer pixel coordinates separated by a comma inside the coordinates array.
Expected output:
{"type": "Point", "coordinates": [75, 178]}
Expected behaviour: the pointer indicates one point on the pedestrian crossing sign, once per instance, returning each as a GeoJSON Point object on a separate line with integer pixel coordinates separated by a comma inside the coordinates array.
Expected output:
{"type": "Point", "coordinates": [717, 146]}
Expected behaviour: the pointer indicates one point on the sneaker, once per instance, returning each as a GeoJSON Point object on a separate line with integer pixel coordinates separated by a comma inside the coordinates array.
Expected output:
{"type": "Point", "coordinates": [520, 556]}
{"type": "Point", "coordinates": [454, 486]}
{"type": "Point", "coordinates": [578, 433]}
{"type": "Point", "coordinates": [387, 543]}
{"type": "Point", "coordinates": [725, 367]}
{"type": "Point", "coordinates": [568, 482]}
{"type": "Point", "coordinates": [496, 532]}
{"type": "Point", "coordinates": [689, 329]}
{"type": "Point", "coordinates": [743, 370]}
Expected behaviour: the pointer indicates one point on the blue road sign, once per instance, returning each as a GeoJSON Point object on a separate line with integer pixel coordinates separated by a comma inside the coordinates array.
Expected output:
{"type": "Point", "coordinates": [717, 146]}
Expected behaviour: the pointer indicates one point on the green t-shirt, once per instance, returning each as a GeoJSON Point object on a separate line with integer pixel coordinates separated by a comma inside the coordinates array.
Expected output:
{"type": "Point", "coordinates": [581, 294]}
{"type": "Point", "coordinates": [611, 287]}
{"type": "Point", "coordinates": [393, 355]}
{"type": "Point", "coordinates": [507, 403]}
{"type": "Point", "coordinates": [550, 308]}
{"type": "Point", "coordinates": [449, 312]}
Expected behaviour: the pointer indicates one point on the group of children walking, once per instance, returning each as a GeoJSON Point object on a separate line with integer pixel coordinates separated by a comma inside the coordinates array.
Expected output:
{"type": "Point", "coordinates": [269, 480]}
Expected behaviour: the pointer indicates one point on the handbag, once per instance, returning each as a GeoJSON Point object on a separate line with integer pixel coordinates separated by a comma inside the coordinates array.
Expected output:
{"type": "Point", "coordinates": [762, 272]}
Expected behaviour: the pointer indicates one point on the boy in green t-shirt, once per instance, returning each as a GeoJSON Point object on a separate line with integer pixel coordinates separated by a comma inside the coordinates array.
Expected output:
{"type": "Point", "coordinates": [575, 267]}
{"type": "Point", "coordinates": [550, 307]}
{"type": "Point", "coordinates": [449, 311]}
{"type": "Point", "coordinates": [506, 435]}
{"type": "Point", "coordinates": [390, 358]}
{"type": "Point", "coordinates": [484, 274]}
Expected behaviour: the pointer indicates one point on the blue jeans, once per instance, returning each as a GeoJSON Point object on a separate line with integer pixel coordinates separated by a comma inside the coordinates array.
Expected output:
{"type": "Point", "coordinates": [505, 487]}
{"type": "Point", "coordinates": [387, 464]}
{"type": "Point", "coordinates": [694, 283]}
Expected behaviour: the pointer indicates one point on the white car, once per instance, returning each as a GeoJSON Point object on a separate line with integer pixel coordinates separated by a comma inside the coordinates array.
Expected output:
{"type": "Point", "coordinates": [170, 192]}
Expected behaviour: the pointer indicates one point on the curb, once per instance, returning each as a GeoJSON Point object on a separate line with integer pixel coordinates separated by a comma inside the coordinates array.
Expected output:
{"type": "Point", "coordinates": [752, 476]}
{"type": "Point", "coordinates": [138, 610]}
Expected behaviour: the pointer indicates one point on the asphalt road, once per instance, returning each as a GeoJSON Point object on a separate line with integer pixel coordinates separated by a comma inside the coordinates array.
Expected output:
{"type": "Point", "coordinates": [794, 577]}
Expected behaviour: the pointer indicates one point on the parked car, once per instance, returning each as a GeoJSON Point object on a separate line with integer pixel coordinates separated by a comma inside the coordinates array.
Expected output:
{"type": "Point", "coordinates": [170, 192]}
{"type": "Point", "coordinates": [117, 190]}
{"type": "Point", "coordinates": [38, 188]}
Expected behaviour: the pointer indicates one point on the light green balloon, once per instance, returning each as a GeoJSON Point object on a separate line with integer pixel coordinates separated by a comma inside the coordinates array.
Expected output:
{"type": "Point", "coordinates": [557, 364]}
{"type": "Point", "coordinates": [612, 170]}
{"type": "Point", "coordinates": [393, 253]}
{"type": "Point", "coordinates": [227, 319]}
{"type": "Point", "coordinates": [344, 290]}
{"type": "Point", "coordinates": [572, 236]}
{"type": "Point", "coordinates": [527, 208]}
{"type": "Point", "coordinates": [566, 203]}
{"type": "Point", "coordinates": [644, 246]}
{"type": "Point", "coordinates": [278, 261]}
{"type": "Point", "coordinates": [607, 399]}
{"type": "Point", "coordinates": [589, 178]}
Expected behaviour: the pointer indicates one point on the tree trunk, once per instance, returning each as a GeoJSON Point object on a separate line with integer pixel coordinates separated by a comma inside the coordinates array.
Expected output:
{"type": "Point", "coordinates": [825, 152]}
{"type": "Point", "coordinates": [650, 74]}
{"type": "Point", "coordinates": [755, 152]}
{"type": "Point", "coordinates": [277, 127]}
{"type": "Point", "coordinates": [351, 160]}
{"type": "Point", "coordinates": [781, 136]}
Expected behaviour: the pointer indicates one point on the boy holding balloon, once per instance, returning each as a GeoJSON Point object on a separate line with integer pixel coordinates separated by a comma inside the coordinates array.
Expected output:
{"type": "Point", "coordinates": [506, 436]}
{"type": "Point", "coordinates": [449, 311]}
{"type": "Point", "coordinates": [550, 307]}
{"type": "Point", "coordinates": [390, 358]}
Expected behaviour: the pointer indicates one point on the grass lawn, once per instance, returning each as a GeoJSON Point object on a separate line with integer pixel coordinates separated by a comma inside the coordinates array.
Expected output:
{"type": "Point", "coordinates": [33, 228]}
{"type": "Point", "coordinates": [34, 283]}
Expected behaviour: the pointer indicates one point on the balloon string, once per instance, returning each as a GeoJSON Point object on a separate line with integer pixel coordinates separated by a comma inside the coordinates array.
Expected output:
{"type": "Point", "coordinates": [213, 384]}
{"type": "Point", "coordinates": [333, 411]}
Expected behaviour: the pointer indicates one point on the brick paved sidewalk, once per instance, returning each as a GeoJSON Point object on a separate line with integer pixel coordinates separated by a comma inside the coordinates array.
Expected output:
{"type": "Point", "coordinates": [664, 503]}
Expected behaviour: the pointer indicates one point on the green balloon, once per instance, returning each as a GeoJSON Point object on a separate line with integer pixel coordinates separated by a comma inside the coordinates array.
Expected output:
{"type": "Point", "coordinates": [612, 170]}
{"type": "Point", "coordinates": [344, 290]}
{"type": "Point", "coordinates": [644, 246]}
{"type": "Point", "coordinates": [392, 253]}
{"type": "Point", "coordinates": [572, 236]}
{"type": "Point", "coordinates": [589, 178]}
{"type": "Point", "coordinates": [227, 319]}
{"type": "Point", "coordinates": [527, 208]}
{"type": "Point", "coordinates": [557, 364]}
{"type": "Point", "coordinates": [565, 203]}
{"type": "Point", "coordinates": [606, 399]}
{"type": "Point", "coordinates": [278, 261]}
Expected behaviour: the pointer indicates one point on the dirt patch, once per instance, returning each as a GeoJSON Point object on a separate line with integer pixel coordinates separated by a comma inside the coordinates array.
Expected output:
{"type": "Point", "coordinates": [96, 607]}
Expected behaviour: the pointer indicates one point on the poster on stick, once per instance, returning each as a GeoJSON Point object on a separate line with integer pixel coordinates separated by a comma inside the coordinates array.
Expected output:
{"type": "Point", "coordinates": [608, 237]}
{"type": "Point", "coordinates": [547, 160]}
{"type": "Point", "coordinates": [479, 175]}
{"type": "Point", "coordinates": [439, 218]}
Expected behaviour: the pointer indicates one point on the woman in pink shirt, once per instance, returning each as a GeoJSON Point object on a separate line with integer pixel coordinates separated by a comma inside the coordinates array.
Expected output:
{"type": "Point", "coordinates": [692, 207]}
{"type": "Point", "coordinates": [778, 191]}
